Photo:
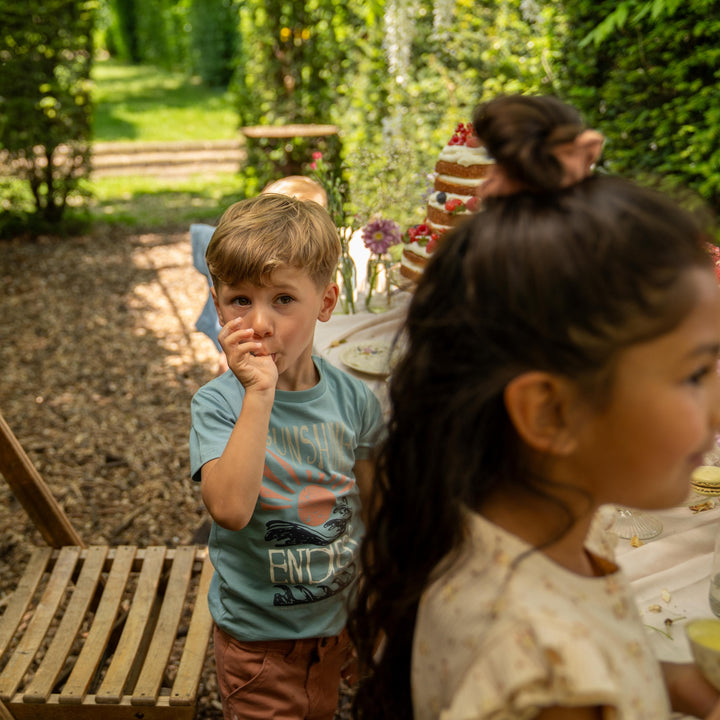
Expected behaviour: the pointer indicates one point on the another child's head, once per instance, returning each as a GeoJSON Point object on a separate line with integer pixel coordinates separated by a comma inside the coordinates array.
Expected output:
{"type": "Point", "coordinates": [258, 235]}
{"type": "Point", "coordinates": [300, 187]}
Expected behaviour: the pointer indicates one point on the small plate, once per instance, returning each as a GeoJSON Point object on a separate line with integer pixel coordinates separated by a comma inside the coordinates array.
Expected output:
{"type": "Point", "coordinates": [371, 357]}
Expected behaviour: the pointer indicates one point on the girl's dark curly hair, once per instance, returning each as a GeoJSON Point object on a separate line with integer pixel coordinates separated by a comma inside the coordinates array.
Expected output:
{"type": "Point", "coordinates": [548, 279]}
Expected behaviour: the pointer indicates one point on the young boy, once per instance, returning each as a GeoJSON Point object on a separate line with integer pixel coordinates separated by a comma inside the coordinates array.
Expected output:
{"type": "Point", "coordinates": [281, 444]}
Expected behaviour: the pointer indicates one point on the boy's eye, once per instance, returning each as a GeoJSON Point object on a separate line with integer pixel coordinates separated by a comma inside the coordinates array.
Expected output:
{"type": "Point", "coordinates": [284, 299]}
{"type": "Point", "coordinates": [240, 300]}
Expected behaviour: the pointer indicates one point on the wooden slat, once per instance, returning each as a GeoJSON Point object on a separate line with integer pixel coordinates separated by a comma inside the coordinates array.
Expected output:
{"type": "Point", "coordinates": [147, 688]}
{"type": "Point", "coordinates": [88, 710]}
{"type": "Point", "coordinates": [289, 131]}
{"type": "Point", "coordinates": [113, 685]}
{"type": "Point", "coordinates": [24, 653]}
{"type": "Point", "coordinates": [4, 712]}
{"type": "Point", "coordinates": [88, 661]}
{"type": "Point", "coordinates": [32, 492]}
{"type": "Point", "coordinates": [22, 596]}
{"type": "Point", "coordinates": [53, 662]}
{"type": "Point", "coordinates": [192, 662]}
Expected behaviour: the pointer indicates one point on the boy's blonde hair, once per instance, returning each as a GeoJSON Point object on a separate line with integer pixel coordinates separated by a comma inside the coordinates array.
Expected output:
{"type": "Point", "coordinates": [257, 235]}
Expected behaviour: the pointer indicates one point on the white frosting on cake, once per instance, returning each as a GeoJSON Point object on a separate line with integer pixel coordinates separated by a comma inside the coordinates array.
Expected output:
{"type": "Point", "coordinates": [417, 249]}
{"type": "Point", "coordinates": [411, 264]}
{"type": "Point", "coordinates": [471, 183]}
{"type": "Point", "coordinates": [464, 155]}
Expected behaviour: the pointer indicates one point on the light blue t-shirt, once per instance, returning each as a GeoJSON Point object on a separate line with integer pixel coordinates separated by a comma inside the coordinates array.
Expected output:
{"type": "Point", "coordinates": [287, 574]}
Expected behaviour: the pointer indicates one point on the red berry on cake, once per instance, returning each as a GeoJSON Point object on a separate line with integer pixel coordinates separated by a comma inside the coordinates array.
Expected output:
{"type": "Point", "coordinates": [472, 203]}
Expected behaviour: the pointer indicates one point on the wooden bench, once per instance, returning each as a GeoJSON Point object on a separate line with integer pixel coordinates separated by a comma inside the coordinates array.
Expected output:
{"type": "Point", "coordinates": [116, 633]}
{"type": "Point", "coordinates": [276, 134]}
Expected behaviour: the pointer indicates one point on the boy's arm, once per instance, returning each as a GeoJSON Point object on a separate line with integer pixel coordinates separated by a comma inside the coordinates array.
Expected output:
{"type": "Point", "coordinates": [364, 475]}
{"type": "Point", "coordinates": [230, 484]}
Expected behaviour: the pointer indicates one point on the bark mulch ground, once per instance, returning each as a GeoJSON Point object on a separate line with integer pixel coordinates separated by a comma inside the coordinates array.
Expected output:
{"type": "Point", "coordinates": [99, 359]}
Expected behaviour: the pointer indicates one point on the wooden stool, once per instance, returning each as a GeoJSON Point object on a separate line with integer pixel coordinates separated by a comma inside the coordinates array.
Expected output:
{"type": "Point", "coordinates": [280, 133]}
{"type": "Point", "coordinates": [115, 633]}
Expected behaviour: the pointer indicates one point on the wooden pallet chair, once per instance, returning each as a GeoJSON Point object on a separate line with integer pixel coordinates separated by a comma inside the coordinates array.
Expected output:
{"type": "Point", "coordinates": [116, 633]}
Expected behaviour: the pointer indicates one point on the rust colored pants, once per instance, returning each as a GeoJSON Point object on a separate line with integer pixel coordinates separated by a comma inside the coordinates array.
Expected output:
{"type": "Point", "coordinates": [281, 679]}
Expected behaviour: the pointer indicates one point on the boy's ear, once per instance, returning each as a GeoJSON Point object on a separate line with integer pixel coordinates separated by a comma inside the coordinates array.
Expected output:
{"type": "Point", "coordinates": [217, 305]}
{"type": "Point", "coordinates": [329, 301]}
{"type": "Point", "coordinates": [540, 407]}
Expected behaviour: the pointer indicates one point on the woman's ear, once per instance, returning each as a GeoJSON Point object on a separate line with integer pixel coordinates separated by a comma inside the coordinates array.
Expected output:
{"type": "Point", "coordinates": [540, 407]}
{"type": "Point", "coordinates": [329, 301]}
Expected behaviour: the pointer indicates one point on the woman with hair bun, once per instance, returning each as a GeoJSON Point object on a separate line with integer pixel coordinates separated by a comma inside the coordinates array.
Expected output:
{"type": "Point", "coordinates": [561, 354]}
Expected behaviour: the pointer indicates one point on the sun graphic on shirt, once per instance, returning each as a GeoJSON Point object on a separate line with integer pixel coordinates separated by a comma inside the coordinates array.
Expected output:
{"type": "Point", "coordinates": [314, 502]}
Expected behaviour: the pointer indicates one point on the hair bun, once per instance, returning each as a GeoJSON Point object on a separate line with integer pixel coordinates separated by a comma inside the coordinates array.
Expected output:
{"type": "Point", "coordinates": [520, 132]}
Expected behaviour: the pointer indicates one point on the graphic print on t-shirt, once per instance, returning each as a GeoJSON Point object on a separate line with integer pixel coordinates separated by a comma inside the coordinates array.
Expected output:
{"type": "Point", "coordinates": [312, 557]}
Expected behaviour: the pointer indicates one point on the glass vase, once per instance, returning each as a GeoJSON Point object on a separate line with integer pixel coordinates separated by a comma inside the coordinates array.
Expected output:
{"type": "Point", "coordinates": [378, 297]}
{"type": "Point", "coordinates": [347, 282]}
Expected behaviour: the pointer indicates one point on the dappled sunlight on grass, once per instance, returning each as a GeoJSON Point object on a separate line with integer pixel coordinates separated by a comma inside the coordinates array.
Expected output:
{"type": "Point", "coordinates": [154, 202]}
{"type": "Point", "coordinates": [146, 103]}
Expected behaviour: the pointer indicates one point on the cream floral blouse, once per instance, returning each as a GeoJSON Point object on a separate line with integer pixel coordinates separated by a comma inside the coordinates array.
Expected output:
{"type": "Point", "coordinates": [499, 640]}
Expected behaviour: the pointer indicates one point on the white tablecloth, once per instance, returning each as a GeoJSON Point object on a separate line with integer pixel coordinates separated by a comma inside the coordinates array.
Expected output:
{"type": "Point", "coordinates": [332, 337]}
{"type": "Point", "coordinates": [672, 572]}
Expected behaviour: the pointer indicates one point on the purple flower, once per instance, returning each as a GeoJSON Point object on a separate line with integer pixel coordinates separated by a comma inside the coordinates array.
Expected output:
{"type": "Point", "coordinates": [380, 234]}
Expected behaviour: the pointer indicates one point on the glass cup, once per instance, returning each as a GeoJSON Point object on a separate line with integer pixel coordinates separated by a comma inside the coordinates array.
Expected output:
{"type": "Point", "coordinates": [714, 591]}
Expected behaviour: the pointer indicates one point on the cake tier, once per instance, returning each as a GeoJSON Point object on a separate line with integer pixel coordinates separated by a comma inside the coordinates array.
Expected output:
{"type": "Point", "coordinates": [410, 272]}
{"type": "Point", "coordinates": [444, 219]}
{"type": "Point", "coordinates": [459, 186]}
{"type": "Point", "coordinates": [415, 254]}
{"type": "Point", "coordinates": [444, 167]}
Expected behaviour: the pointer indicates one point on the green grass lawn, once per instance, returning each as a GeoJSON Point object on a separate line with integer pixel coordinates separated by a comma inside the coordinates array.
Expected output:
{"type": "Point", "coordinates": [145, 103]}
{"type": "Point", "coordinates": [148, 202]}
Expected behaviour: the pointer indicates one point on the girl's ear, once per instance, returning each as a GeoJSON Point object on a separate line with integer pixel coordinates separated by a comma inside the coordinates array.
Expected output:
{"type": "Point", "coordinates": [540, 407]}
{"type": "Point", "coordinates": [329, 301]}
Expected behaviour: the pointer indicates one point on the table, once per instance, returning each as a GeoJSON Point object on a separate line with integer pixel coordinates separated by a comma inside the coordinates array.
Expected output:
{"type": "Point", "coordinates": [673, 572]}
{"type": "Point", "coordinates": [335, 335]}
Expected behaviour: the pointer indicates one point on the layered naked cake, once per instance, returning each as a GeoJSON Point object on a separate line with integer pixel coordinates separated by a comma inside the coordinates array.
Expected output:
{"type": "Point", "coordinates": [419, 244]}
{"type": "Point", "coordinates": [461, 167]}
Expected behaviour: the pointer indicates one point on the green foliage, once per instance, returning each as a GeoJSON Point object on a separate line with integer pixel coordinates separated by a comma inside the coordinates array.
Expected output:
{"type": "Point", "coordinates": [292, 65]}
{"type": "Point", "coordinates": [322, 61]}
{"type": "Point", "coordinates": [214, 39]}
{"type": "Point", "coordinates": [630, 12]}
{"type": "Point", "coordinates": [652, 88]}
{"type": "Point", "coordinates": [122, 30]}
{"type": "Point", "coordinates": [155, 33]}
{"type": "Point", "coordinates": [45, 61]}
{"type": "Point", "coordinates": [195, 36]}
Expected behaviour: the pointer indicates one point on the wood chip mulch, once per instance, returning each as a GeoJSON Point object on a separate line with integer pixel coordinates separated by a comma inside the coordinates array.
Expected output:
{"type": "Point", "coordinates": [99, 358]}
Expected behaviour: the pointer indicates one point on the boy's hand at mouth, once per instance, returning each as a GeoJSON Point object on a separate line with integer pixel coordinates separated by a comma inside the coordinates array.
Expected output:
{"type": "Point", "coordinates": [246, 357]}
